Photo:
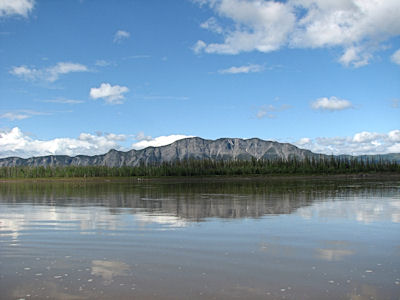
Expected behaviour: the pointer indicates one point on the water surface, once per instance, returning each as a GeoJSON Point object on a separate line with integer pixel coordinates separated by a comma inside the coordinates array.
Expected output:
{"type": "Point", "coordinates": [200, 239]}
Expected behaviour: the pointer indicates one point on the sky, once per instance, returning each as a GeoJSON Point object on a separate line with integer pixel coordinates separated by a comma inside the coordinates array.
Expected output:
{"type": "Point", "coordinates": [85, 76]}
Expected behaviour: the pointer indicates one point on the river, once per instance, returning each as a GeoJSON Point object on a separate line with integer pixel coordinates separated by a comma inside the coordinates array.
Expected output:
{"type": "Point", "coordinates": [214, 238]}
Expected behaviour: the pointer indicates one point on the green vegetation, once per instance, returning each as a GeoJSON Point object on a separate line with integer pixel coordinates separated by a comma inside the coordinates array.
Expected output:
{"type": "Point", "coordinates": [192, 167]}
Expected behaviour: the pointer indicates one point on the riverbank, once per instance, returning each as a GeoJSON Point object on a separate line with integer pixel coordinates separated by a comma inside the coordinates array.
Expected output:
{"type": "Point", "coordinates": [271, 177]}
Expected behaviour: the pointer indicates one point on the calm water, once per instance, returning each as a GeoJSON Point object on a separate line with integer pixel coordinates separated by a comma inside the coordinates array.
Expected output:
{"type": "Point", "coordinates": [200, 239]}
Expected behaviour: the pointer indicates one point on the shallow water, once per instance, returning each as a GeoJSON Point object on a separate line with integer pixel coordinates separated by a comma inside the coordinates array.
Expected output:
{"type": "Point", "coordinates": [200, 239]}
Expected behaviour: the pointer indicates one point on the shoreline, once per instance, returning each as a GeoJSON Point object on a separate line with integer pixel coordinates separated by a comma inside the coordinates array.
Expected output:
{"type": "Point", "coordinates": [272, 177]}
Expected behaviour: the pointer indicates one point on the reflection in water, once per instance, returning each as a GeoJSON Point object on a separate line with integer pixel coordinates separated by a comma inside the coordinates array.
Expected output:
{"type": "Point", "coordinates": [109, 269]}
{"type": "Point", "coordinates": [52, 291]}
{"type": "Point", "coordinates": [361, 209]}
{"type": "Point", "coordinates": [333, 254]}
{"type": "Point", "coordinates": [195, 201]}
{"type": "Point", "coordinates": [168, 221]}
{"type": "Point", "coordinates": [365, 292]}
{"type": "Point", "coordinates": [335, 250]}
{"type": "Point", "coordinates": [200, 238]}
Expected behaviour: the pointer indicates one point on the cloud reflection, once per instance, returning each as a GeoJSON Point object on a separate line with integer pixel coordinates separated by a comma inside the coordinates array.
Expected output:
{"type": "Point", "coordinates": [360, 209]}
{"type": "Point", "coordinates": [167, 221]}
{"type": "Point", "coordinates": [333, 254]}
{"type": "Point", "coordinates": [109, 269]}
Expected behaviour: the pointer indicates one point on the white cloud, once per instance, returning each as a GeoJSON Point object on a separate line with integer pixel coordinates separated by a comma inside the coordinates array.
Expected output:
{"type": "Point", "coordinates": [394, 136]}
{"type": "Point", "coordinates": [63, 101]}
{"type": "Point", "coordinates": [331, 104]}
{"type": "Point", "coordinates": [12, 116]}
{"type": "Point", "coordinates": [15, 143]}
{"type": "Point", "coordinates": [139, 56]}
{"type": "Point", "coordinates": [395, 103]}
{"type": "Point", "coordinates": [25, 72]}
{"type": "Point", "coordinates": [356, 57]}
{"type": "Point", "coordinates": [304, 141]}
{"type": "Point", "coordinates": [259, 25]}
{"type": "Point", "coordinates": [261, 113]}
{"type": "Point", "coordinates": [394, 148]}
{"type": "Point", "coordinates": [159, 97]}
{"type": "Point", "coordinates": [16, 7]}
{"type": "Point", "coordinates": [142, 137]}
{"type": "Point", "coordinates": [242, 69]}
{"type": "Point", "coordinates": [50, 74]}
{"type": "Point", "coordinates": [357, 27]}
{"type": "Point", "coordinates": [111, 94]}
{"type": "Point", "coordinates": [212, 25]}
{"type": "Point", "coordinates": [148, 141]}
{"type": "Point", "coordinates": [102, 63]}
{"type": "Point", "coordinates": [121, 35]}
{"type": "Point", "coordinates": [21, 114]}
{"type": "Point", "coordinates": [270, 111]}
{"type": "Point", "coordinates": [361, 143]}
{"type": "Point", "coordinates": [199, 46]}
{"type": "Point", "coordinates": [64, 68]}
{"type": "Point", "coordinates": [396, 57]}
{"type": "Point", "coordinates": [366, 137]}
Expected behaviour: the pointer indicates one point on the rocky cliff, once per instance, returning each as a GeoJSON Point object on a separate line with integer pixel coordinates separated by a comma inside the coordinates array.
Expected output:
{"type": "Point", "coordinates": [196, 148]}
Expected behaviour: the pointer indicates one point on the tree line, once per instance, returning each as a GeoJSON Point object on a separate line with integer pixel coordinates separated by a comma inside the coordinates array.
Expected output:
{"type": "Point", "coordinates": [206, 167]}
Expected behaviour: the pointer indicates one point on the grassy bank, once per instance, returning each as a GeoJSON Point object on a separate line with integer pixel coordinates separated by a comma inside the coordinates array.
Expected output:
{"type": "Point", "coordinates": [188, 168]}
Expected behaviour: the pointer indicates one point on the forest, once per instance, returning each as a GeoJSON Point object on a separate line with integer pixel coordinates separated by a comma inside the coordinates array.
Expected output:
{"type": "Point", "coordinates": [208, 167]}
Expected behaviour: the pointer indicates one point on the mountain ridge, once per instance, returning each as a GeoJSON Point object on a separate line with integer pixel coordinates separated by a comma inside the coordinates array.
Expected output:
{"type": "Point", "coordinates": [188, 148]}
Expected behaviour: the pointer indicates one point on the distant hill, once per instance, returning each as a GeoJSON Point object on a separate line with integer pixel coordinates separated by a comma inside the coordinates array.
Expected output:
{"type": "Point", "coordinates": [194, 148]}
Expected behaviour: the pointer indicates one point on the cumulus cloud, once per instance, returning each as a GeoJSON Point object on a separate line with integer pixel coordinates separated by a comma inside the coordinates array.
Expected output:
{"type": "Point", "coordinates": [112, 94]}
{"type": "Point", "coordinates": [396, 57]}
{"type": "Point", "coordinates": [16, 143]}
{"type": "Point", "coordinates": [361, 143]}
{"type": "Point", "coordinates": [142, 137]}
{"type": "Point", "coordinates": [304, 141]}
{"type": "Point", "coordinates": [50, 74]}
{"type": "Point", "coordinates": [243, 69]}
{"type": "Point", "coordinates": [25, 72]}
{"type": "Point", "coordinates": [199, 46]}
{"type": "Point", "coordinates": [16, 7]}
{"type": "Point", "coordinates": [366, 137]}
{"type": "Point", "coordinates": [331, 104]}
{"type": "Point", "coordinates": [394, 136]}
{"type": "Point", "coordinates": [121, 35]}
{"type": "Point", "coordinates": [212, 25]}
{"type": "Point", "coordinates": [259, 25]}
{"type": "Point", "coordinates": [148, 141]}
{"type": "Point", "coordinates": [358, 28]}
{"type": "Point", "coordinates": [356, 57]}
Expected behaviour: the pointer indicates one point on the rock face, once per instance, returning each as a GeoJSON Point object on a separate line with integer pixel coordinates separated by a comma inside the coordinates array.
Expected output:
{"type": "Point", "coordinates": [196, 148]}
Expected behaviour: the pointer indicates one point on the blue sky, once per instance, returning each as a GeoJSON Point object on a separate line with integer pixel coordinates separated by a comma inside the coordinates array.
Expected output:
{"type": "Point", "coordinates": [82, 77]}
